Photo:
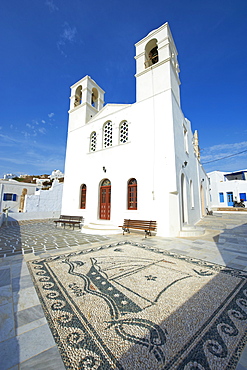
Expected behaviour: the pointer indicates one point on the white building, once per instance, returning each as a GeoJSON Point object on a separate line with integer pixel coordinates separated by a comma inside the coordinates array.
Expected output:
{"type": "Point", "coordinates": [137, 161]}
{"type": "Point", "coordinates": [227, 187]}
{"type": "Point", "coordinates": [9, 176]}
{"type": "Point", "coordinates": [12, 194]}
{"type": "Point", "coordinates": [56, 174]}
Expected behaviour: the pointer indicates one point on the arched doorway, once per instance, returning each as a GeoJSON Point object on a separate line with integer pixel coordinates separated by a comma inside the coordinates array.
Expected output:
{"type": "Point", "coordinates": [105, 200]}
{"type": "Point", "coordinates": [184, 200]}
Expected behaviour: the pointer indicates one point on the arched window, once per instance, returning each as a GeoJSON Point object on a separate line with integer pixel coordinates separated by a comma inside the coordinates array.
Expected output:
{"type": "Point", "coordinates": [83, 196]}
{"type": "Point", "coordinates": [132, 194]}
{"type": "Point", "coordinates": [93, 141]}
{"type": "Point", "coordinates": [123, 132]}
{"type": "Point", "coordinates": [151, 53]}
{"type": "Point", "coordinates": [78, 96]}
{"type": "Point", "coordinates": [107, 135]}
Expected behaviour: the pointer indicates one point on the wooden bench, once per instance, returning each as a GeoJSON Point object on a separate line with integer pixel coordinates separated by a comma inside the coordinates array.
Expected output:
{"type": "Point", "coordinates": [147, 226]}
{"type": "Point", "coordinates": [70, 220]}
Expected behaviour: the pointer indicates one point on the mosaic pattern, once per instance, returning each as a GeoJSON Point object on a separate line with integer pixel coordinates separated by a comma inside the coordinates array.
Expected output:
{"type": "Point", "coordinates": [132, 306]}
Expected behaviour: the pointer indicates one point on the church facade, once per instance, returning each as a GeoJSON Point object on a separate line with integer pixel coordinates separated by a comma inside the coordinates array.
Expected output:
{"type": "Point", "coordinates": [138, 161]}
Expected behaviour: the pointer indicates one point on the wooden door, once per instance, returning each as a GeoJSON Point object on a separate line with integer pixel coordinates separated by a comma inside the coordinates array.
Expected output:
{"type": "Point", "coordinates": [105, 202]}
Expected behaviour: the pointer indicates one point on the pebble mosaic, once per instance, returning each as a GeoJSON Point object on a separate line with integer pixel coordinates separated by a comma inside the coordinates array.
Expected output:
{"type": "Point", "coordinates": [128, 305]}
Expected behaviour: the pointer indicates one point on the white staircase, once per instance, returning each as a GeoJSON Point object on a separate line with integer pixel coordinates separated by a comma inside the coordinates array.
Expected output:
{"type": "Point", "coordinates": [101, 228]}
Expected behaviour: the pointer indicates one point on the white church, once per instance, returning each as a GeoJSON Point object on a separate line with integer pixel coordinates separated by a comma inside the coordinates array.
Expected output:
{"type": "Point", "coordinates": [137, 161]}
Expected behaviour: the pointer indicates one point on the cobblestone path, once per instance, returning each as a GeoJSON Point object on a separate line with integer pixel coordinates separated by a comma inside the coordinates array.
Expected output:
{"type": "Point", "coordinates": [37, 236]}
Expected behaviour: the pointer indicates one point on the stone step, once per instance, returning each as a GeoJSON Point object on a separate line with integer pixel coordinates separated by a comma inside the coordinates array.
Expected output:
{"type": "Point", "coordinates": [102, 228]}
{"type": "Point", "coordinates": [191, 230]}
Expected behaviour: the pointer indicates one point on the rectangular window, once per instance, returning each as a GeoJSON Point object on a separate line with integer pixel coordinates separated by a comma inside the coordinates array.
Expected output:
{"type": "Point", "coordinates": [242, 196]}
{"type": "Point", "coordinates": [10, 196]}
{"type": "Point", "coordinates": [221, 197]}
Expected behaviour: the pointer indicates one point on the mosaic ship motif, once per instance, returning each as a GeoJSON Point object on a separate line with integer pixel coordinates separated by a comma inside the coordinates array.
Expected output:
{"type": "Point", "coordinates": [113, 307]}
{"type": "Point", "coordinates": [102, 280]}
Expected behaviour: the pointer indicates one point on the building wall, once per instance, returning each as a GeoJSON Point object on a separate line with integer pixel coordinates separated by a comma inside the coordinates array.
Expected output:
{"type": "Point", "coordinates": [219, 184]}
{"type": "Point", "coordinates": [45, 200]}
{"type": "Point", "coordinates": [14, 187]}
{"type": "Point", "coordinates": [156, 153]}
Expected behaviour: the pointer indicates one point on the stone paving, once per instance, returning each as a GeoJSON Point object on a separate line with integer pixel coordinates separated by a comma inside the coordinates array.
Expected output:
{"type": "Point", "coordinates": [25, 338]}
{"type": "Point", "coordinates": [39, 236]}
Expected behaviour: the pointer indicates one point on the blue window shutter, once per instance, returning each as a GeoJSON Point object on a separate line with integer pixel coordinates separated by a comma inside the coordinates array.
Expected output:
{"type": "Point", "coordinates": [4, 196]}
{"type": "Point", "coordinates": [242, 196]}
{"type": "Point", "coordinates": [221, 197]}
{"type": "Point", "coordinates": [14, 197]}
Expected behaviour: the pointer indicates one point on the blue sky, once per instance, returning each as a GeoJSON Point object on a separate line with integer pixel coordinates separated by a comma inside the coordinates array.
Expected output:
{"type": "Point", "coordinates": [48, 45]}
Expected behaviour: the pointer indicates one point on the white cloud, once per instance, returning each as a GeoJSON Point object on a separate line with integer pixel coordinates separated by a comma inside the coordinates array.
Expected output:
{"type": "Point", "coordinates": [68, 36]}
{"type": "Point", "coordinates": [42, 130]}
{"type": "Point", "coordinates": [69, 33]}
{"type": "Point", "coordinates": [225, 157]}
{"type": "Point", "coordinates": [29, 126]}
{"type": "Point", "coordinates": [222, 150]}
{"type": "Point", "coordinates": [52, 7]}
{"type": "Point", "coordinates": [43, 121]}
{"type": "Point", "coordinates": [50, 115]}
{"type": "Point", "coordinates": [21, 154]}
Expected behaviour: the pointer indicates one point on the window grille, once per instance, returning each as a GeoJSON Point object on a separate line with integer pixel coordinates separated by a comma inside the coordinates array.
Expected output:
{"type": "Point", "coordinates": [124, 132]}
{"type": "Point", "coordinates": [107, 134]}
{"type": "Point", "coordinates": [93, 142]}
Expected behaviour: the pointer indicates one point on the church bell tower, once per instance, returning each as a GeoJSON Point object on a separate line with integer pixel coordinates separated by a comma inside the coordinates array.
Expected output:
{"type": "Point", "coordinates": [86, 100]}
{"type": "Point", "coordinates": [157, 68]}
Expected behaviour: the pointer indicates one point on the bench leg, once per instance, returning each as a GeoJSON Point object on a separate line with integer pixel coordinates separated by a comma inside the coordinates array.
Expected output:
{"type": "Point", "coordinates": [147, 232]}
{"type": "Point", "coordinates": [125, 230]}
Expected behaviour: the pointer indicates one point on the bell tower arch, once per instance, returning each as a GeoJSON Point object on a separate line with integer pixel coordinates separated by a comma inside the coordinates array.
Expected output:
{"type": "Point", "coordinates": [157, 68]}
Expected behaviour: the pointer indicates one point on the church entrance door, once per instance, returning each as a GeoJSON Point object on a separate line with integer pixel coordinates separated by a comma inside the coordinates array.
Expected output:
{"type": "Point", "coordinates": [105, 200]}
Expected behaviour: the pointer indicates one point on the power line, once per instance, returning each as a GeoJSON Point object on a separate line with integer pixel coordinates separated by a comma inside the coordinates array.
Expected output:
{"type": "Point", "coordinates": [228, 156]}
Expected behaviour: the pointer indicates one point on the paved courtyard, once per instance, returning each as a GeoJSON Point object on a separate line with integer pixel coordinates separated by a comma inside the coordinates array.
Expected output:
{"type": "Point", "coordinates": [26, 341]}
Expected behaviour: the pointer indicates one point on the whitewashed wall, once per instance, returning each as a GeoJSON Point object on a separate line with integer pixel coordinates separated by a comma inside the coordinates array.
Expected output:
{"type": "Point", "coordinates": [14, 187]}
{"type": "Point", "coordinates": [45, 200]}
{"type": "Point", "coordinates": [218, 184]}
